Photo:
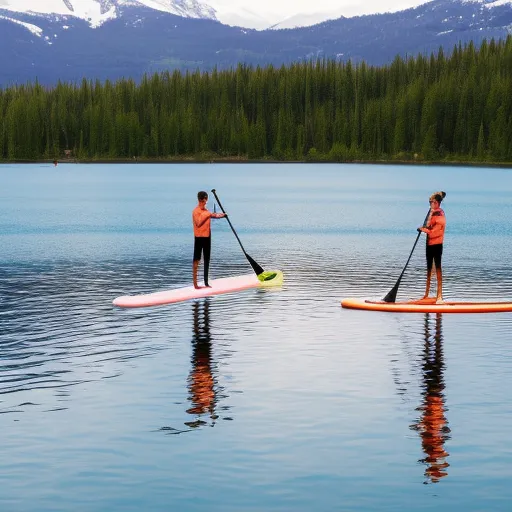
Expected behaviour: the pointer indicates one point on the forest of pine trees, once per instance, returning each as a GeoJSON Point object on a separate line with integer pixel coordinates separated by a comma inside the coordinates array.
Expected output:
{"type": "Point", "coordinates": [442, 108]}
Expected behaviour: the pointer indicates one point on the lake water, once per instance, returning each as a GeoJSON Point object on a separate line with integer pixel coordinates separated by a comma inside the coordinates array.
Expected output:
{"type": "Point", "coordinates": [260, 400]}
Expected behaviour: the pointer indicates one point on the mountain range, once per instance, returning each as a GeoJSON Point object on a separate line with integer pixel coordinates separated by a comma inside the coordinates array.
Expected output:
{"type": "Point", "coordinates": [98, 12]}
{"type": "Point", "coordinates": [110, 39]}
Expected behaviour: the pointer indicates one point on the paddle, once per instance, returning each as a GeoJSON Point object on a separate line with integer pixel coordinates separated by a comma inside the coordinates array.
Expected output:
{"type": "Point", "coordinates": [391, 296]}
{"type": "Point", "coordinates": [254, 265]}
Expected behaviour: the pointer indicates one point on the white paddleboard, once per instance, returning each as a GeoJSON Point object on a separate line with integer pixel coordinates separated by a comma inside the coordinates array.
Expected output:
{"type": "Point", "coordinates": [217, 287]}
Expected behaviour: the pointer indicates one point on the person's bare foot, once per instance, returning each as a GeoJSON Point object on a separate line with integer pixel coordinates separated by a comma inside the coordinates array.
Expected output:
{"type": "Point", "coordinates": [196, 286]}
{"type": "Point", "coordinates": [207, 285]}
{"type": "Point", "coordinates": [440, 300]}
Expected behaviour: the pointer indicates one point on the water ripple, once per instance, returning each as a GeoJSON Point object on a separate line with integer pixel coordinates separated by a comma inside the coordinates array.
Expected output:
{"type": "Point", "coordinates": [262, 380]}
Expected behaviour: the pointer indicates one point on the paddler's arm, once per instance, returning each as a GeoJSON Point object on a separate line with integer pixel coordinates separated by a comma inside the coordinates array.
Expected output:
{"type": "Point", "coordinates": [426, 227]}
{"type": "Point", "coordinates": [201, 217]}
{"type": "Point", "coordinates": [436, 227]}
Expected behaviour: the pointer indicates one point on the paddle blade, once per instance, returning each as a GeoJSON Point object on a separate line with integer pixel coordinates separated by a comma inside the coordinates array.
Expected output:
{"type": "Point", "coordinates": [391, 296]}
{"type": "Point", "coordinates": [257, 269]}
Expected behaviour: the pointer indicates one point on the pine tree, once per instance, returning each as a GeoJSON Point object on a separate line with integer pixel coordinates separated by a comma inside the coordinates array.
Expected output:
{"type": "Point", "coordinates": [444, 105]}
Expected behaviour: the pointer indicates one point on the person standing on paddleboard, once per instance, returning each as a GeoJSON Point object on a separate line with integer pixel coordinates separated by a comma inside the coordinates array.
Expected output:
{"type": "Point", "coordinates": [201, 219]}
{"type": "Point", "coordinates": [434, 228]}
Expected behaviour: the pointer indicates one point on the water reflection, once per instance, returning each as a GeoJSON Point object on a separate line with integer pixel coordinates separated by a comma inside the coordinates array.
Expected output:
{"type": "Point", "coordinates": [432, 424]}
{"type": "Point", "coordinates": [202, 382]}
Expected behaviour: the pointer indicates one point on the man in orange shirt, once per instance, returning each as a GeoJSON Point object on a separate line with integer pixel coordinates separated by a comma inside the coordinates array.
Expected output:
{"type": "Point", "coordinates": [434, 229]}
{"type": "Point", "coordinates": [201, 219]}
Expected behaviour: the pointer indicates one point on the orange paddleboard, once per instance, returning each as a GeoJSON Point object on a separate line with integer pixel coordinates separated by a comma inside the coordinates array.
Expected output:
{"type": "Point", "coordinates": [427, 306]}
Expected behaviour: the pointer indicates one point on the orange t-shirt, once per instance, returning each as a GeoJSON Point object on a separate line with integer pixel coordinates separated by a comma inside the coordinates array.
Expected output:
{"type": "Point", "coordinates": [436, 227]}
{"type": "Point", "coordinates": [201, 219]}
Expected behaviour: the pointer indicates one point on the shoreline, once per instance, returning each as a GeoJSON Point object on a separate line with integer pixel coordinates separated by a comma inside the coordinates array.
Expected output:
{"type": "Point", "coordinates": [442, 163]}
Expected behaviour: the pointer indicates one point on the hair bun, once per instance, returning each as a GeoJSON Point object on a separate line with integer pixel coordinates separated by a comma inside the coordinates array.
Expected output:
{"type": "Point", "coordinates": [438, 196]}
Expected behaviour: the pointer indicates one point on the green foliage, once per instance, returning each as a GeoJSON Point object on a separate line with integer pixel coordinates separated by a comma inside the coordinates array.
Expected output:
{"type": "Point", "coordinates": [442, 106]}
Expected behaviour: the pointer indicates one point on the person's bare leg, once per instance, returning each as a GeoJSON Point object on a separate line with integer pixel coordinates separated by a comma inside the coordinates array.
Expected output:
{"type": "Point", "coordinates": [195, 264]}
{"type": "Point", "coordinates": [439, 276]}
{"type": "Point", "coordinates": [429, 278]}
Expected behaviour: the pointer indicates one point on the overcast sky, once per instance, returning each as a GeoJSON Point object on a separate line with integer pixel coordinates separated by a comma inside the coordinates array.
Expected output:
{"type": "Point", "coordinates": [289, 7]}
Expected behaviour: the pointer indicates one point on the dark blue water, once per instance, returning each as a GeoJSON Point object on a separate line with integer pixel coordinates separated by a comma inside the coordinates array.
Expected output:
{"type": "Point", "coordinates": [264, 399]}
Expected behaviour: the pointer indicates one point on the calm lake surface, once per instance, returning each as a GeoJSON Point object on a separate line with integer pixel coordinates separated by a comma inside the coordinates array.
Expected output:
{"type": "Point", "coordinates": [260, 400]}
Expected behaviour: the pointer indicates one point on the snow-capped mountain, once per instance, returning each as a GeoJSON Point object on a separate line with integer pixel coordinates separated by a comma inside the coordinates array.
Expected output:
{"type": "Point", "coordinates": [97, 12]}
{"type": "Point", "coordinates": [230, 12]}
{"type": "Point", "coordinates": [140, 39]}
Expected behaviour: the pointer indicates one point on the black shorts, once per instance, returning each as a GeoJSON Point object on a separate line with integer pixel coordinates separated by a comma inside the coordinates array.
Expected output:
{"type": "Point", "coordinates": [202, 245]}
{"type": "Point", "coordinates": [434, 255]}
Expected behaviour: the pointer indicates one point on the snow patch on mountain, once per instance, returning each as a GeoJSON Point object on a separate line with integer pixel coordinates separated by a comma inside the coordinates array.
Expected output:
{"type": "Point", "coordinates": [32, 28]}
{"type": "Point", "coordinates": [497, 3]}
{"type": "Point", "coordinates": [97, 12]}
{"type": "Point", "coordinates": [488, 3]}
{"type": "Point", "coordinates": [185, 8]}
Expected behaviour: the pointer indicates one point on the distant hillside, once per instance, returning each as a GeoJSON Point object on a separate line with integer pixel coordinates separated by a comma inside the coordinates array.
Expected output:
{"type": "Point", "coordinates": [142, 40]}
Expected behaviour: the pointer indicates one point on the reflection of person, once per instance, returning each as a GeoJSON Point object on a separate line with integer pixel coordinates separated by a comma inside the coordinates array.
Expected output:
{"type": "Point", "coordinates": [433, 425]}
{"type": "Point", "coordinates": [201, 381]}
{"type": "Point", "coordinates": [434, 228]}
{"type": "Point", "coordinates": [201, 219]}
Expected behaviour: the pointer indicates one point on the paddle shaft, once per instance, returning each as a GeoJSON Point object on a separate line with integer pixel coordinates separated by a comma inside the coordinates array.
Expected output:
{"type": "Point", "coordinates": [257, 268]}
{"type": "Point", "coordinates": [410, 256]}
{"type": "Point", "coordinates": [391, 296]}
{"type": "Point", "coordinates": [227, 218]}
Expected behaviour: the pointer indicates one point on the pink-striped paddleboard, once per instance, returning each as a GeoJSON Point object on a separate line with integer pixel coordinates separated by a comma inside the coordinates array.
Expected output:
{"type": "Point", "coordinates": [218, 286]}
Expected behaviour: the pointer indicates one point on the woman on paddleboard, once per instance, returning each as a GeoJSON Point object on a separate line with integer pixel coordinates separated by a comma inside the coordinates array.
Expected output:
{"type": "Point", "coordinates": [201, 219]}
{"type": "Point", "coordinates": [434, 228]}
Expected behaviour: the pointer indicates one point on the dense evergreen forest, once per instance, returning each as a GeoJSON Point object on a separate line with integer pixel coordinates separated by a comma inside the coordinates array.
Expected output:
{"type": "Point", "coordinates": [455, 107]}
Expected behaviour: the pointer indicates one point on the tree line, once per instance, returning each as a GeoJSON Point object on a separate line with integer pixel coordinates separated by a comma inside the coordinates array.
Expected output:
{"type": "Point", "coordinates": [442, 107]}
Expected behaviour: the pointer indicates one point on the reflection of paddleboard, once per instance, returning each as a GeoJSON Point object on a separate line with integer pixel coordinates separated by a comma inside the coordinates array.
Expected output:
{"type": "Point", "coordinates": [218, 286]}
{"type": "Point", "coordinates": [427, 306]}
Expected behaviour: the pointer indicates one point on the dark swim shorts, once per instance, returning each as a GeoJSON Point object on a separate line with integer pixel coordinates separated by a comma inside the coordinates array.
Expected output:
{"type": "Point", "coordinates": [202, 245]}
{"type": "Point", "coordinates": [434, 255]}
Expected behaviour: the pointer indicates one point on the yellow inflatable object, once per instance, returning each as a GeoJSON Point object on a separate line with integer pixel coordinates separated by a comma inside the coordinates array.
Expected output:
{"type": "Point", "coordinates": [271, 278]}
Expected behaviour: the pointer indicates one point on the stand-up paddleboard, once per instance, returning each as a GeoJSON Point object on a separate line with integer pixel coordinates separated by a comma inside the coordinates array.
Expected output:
{"type": "Point", "coordinates": [217, 287]}
{"type": "Point", "coordinates": [427, 306]}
